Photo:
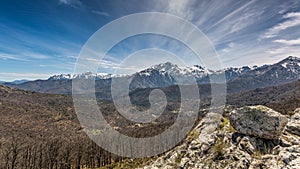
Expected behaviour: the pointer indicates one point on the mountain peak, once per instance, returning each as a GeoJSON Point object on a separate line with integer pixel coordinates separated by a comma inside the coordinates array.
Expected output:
{"type": "Point", "coordinates": [293, 58]}
{"type": "Point", "coordinates": [165, 66]}
{"type": "Point", "coordinates": [290, 61]}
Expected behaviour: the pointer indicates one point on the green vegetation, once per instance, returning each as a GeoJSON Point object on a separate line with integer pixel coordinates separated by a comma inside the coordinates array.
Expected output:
{"type": "Point", "coordinates": [231, 129]}
{"type": "Point", "coordinates": [218, 148]}
{"type": "Point", "coordinates": [96, 131]}
{"type": "Point", "coordinates": [224, 122]}
{"type": "Point", "coordinates": [262, 108]}
{"type": "Point", "coordinates": [179, 158]}
{"type": "Point", "coordinates": [257, 154]}
{"type": "Point", "coordinates": [192, 136]}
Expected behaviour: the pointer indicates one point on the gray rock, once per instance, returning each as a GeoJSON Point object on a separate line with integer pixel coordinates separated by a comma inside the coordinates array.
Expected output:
{"type": "Point", "coordinates": [293, 126]}
{"type": "Point", "coordinates": [258, 121]}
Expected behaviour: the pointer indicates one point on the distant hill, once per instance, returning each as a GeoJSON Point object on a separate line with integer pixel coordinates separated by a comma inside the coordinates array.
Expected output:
{"type": "Point", "coordinates": [283, 98]}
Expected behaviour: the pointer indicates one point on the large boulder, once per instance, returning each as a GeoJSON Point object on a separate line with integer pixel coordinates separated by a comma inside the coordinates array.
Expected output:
{"type": "Point", "coordinates": [258, 121]}
{"type": "Point", "coordinates": [293, 125]}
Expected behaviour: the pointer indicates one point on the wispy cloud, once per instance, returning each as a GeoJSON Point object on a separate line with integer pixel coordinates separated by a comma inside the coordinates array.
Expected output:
{"type": "Point", "coordinates": [74, 3]}
{"type": "Point", "coordinates": [293, 19]}
{"type": "Point", "coordinates": [23, 56]}
{"type": "Point", "coordinates": [288, 42]}
{"type": "Point", "coordinates": [101, 13]}
{"type": "Point", "coordinates": [8, 76]}
{"type": "Point", "coordinates": [233, 13]}
{"type": "Point", "coordinates": [180, 8]}
{"type": "Point", "coordinates": [282, 51]}
{"type": "Point", "coordinates": [6, 56]}
{"type": "Point", "coordinates": [229, 48]}
{"type": "Point", "coordinates": [36, 56]}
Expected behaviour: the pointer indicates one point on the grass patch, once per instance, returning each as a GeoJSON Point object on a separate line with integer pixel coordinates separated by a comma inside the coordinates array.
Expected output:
{"type": "Point", "coordinates": [257, 154]}
{"type": "Point", "coordinates": [218, 148]}
{"type": "Point", "coordinates": [224, 122]}
{"type": "Point", "coordinates": [193, 135]}
{"type": "Point", "coordinates": [179, 158]}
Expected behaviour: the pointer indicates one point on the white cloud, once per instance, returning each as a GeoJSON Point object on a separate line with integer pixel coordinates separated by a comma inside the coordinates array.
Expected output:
{"type": "Point", "coordinates": [73, 3]}
{"type": "Point", "coordinates": [23, 56]}
{"type": "Point", "coordinates": [284, 51]}
{"type": "Point", "coordinates": [288, 42]}
{"type": "Point", "coordinates": [101, 13]}
{"type": "Point", "coordinates": [244, 20]}
{"type": "Point", "coordinates": [180, 8]}
{"type": "Point", "coordinates": [229, 48]}
{"type": "Point", "coordinates": [293, 20]}
{"type": "Point", "coordinates": [6, 56]}
{"type": "Point", "coordinates": [10, 76]}
{"type": "Point", "coordinates": [234, 13]}
{"type": "Point", "coordinates": [36, 56]}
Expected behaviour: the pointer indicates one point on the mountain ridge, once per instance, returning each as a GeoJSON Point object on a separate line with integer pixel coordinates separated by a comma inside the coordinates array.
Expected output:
{"type": "Point", "coordinates": [168, 74]}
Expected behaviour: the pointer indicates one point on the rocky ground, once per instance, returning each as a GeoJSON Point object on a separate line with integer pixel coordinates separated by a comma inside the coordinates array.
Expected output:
{"type": "Point", "coordinates": [248, 137]}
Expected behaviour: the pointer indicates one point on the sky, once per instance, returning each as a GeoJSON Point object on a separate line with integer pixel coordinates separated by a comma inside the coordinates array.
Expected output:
{"type": "Point", "coordinates": [42, 38]}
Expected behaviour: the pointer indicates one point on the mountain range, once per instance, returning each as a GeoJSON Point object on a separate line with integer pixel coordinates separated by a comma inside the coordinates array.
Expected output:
{"type": "Point", "coordinates": [169, 74]}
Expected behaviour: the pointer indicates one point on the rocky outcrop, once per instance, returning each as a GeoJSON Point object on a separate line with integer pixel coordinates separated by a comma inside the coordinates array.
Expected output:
{"type": "Point", "coordinates": [259, 121]}
{"type": "Point", "coordinates": [225, 147]}
{"type": "Point", "coordinates": [293, 125]}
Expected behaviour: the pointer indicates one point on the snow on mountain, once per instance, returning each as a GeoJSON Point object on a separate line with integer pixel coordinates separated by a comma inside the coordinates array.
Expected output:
{"type": "Point", "coordinates": [195, 71]}
{"type": "Point", "coordinates": [180, 75]}
{"type": "Point", "coordinates": [285, 71]}
{"type": "Point", "coordinates": [172, 73]}
{"type": "Point", "coordinates": [166, 74]}
{"type": "Point", "coordinates": [87, 75]}
{"type": "Point", "coordinates": [291, 63]}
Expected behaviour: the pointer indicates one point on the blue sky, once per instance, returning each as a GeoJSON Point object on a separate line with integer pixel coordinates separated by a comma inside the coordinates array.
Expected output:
{"type": "Point", "coordinates": [42, 38]}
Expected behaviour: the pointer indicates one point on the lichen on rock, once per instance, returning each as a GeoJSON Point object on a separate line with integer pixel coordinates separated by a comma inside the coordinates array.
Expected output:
{"type": "Point", "coordinates": [259, 121]}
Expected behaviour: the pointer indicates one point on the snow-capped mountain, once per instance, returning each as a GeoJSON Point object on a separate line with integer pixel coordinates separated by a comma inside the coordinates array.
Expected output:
{"type": "Point", "coordinates": [291, 64]}
{"type": "Point", "coordinates": [195, 71]}
{"type": "Point", "coordinates": [168, 71]}
{"type": "Point", "coordinates": [86, 75]}
{"type": "Point", "coordinates": [285, 71]}
{"type": "Point", "coordinates": [168, 74]}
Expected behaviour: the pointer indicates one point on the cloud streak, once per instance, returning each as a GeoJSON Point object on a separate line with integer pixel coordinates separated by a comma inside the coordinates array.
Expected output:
{"type": "Point", "coordinates": [293, 19]}
{"type": "Point", "coordinates": [9, 76]}
{"type": "Point", "coordinates": [288, 42]}
{"type": "Point", "coordinates": [101, 13]}
{"type": "Point", "coordinates": [73, 3]}
{"type": "Point", "coordinates": [6, 56]}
